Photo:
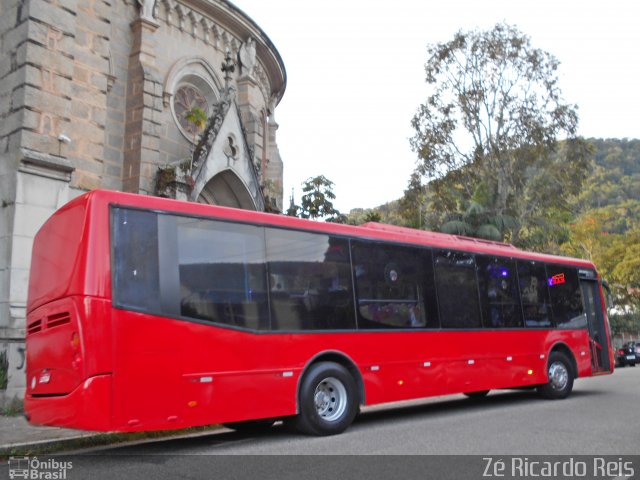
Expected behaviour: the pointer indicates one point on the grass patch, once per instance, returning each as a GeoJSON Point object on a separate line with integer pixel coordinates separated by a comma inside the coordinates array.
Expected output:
{"type": "Point", "coordinates": [15, 407]}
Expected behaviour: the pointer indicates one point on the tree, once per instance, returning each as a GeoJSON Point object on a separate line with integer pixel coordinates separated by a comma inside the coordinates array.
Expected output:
{"type": "Point", "coordinates": [412, 203]}
{"type": "Point", "coordinates": [491, 124]}
{"type": "Point", "coordinates": [316, 201]}
{"type": "Point", "coordinates": [617, 257]}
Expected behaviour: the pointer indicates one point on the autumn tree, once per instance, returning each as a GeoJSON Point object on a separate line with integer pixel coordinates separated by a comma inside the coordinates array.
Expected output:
{"type": "Point", "coordinates": [617, 256]}
{"type": "Point", "coordinates": [488, 131]}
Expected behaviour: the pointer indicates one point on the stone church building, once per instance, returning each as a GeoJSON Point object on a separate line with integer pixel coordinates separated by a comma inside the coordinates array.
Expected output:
{"type": "Point", "coordinates": [96, 94]}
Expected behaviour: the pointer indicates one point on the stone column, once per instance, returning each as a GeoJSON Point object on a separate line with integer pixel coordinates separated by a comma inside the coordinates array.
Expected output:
{"type": "Point", "coordinates": [144, 106]}
{"type": "Point", "coordinates": [275, 168]}
{"type": "Point", "coordinates": [248, 94]}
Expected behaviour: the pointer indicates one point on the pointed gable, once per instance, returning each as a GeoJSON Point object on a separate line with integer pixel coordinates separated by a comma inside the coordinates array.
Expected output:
{"type": "Point", "coordinates": [224, 150]}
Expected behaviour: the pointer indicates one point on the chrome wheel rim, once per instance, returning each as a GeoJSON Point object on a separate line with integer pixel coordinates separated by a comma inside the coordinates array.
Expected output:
{"type": "Point", "coordinates": [558, 376]}
{"type": "Point", "coordinates": [330, 399]}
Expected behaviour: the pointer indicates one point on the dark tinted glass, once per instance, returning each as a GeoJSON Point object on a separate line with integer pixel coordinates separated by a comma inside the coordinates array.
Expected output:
{"type": "Point", "coordinates": [566, 297]}
{"type": "Point", "coordinates": [499, 297]}
{"type": "Point", "coordinates": [309, 281]}
{"type": "Point", "coordinates": [135, 259]}
{"type": "Point", "coordinates": [532, 278]}
{"type": "Point", "coordinates": [222, 276]}
{"type": "Point", "coordinates": [390, 286]}
{"type": "Point", "coordinates": [457, 289]}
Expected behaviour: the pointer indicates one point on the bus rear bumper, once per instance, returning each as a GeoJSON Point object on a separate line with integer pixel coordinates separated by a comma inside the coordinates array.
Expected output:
{"type": "Point", "coordinates": [87, 407]}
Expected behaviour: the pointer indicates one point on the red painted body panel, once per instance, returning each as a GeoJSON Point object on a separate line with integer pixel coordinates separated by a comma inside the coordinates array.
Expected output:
{"type": "Point", "coordinates": [141, 372]}
{"type": "Point", "coordinates": [87, 407]}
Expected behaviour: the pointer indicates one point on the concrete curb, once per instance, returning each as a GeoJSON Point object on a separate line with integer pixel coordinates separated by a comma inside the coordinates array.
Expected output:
{"type": "Point", "coordinates": [94, 440]}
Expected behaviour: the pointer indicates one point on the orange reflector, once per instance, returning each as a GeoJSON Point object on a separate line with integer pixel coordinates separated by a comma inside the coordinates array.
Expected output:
{"type": "Point", "coordinates": [75, 340]}
{"type": "Point", "coordinates": [192, 404]}
{"type": "Point", "coordinates": [530, 372]}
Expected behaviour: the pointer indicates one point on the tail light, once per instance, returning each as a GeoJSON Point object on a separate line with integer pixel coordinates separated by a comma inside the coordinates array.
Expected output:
{"type": "Point", "coordinates": [76, 363]}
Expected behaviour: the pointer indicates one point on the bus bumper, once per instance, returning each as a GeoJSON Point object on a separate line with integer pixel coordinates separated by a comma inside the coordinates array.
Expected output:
{"type": "Point", "coordinates": [87, 407]}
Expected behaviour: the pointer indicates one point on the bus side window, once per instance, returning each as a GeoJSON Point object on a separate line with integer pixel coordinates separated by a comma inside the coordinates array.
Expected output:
{"type": "Point", "coordinates": [499, 296]}
{"type": "Point", "coordinates": [566, 297]}
{"type": "Point", "coordinates": [532, 280]}
{"type": "Point", "coordinates": [309, 281]}
{"type": "Point", "coordinates": [222, 273]}
{"type": "Point", "coordinates": [457, 289]}
{"type": "Point", "coordinates": [390, 285]}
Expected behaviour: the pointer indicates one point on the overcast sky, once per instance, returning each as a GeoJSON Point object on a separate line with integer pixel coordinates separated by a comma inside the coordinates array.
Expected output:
{"type": "Point", "coordinates": [355, 77]}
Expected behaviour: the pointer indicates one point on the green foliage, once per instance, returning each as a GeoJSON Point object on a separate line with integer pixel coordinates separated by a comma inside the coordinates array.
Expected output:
{"type": "Point", "coordinates": [13, 408]}
{"type": "Point", "coordinates": [487, 135]}
{"type": "Point", "coordinates": [372, 216]}
{"type": "Point", "coordinates": [617, 256]}
{"type": "Point", "coordinates": [476, 221]}
{"type": "Point", "coordinates": [625, 323]}
{"type": "Point", "coordinates": [316, 202]}
{"type": "Point", "coordinates": [197, 117]}
{"type": "Point", "coordinates": [358, 216]}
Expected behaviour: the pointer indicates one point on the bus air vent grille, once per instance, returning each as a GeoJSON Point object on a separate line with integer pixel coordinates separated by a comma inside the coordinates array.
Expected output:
{"type": "Point", "coordinates": [58, 319]}
{"type": "Point", "coordinates": [34, 327]}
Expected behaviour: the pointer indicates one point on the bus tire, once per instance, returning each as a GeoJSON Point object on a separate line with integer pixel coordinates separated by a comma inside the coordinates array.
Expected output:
{"type": "Point", "coordinates": [327, 400]}
{"type": "Point", "coordinates": [477, 395]}
{"type": "Point", "coordinates": [560, 375]}
{"type": "Point", "coordinates": [251, 426]}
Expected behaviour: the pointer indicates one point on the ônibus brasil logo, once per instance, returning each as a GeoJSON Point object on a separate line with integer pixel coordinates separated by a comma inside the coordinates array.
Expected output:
{"type": "Point", "coordinates": [32, 468]}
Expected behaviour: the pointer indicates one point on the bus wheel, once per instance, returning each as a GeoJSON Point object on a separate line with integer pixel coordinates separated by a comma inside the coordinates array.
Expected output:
{"type": "Point", "coordinates": [560, 374]}
{"type": "Point", "coordinates": [476, 395]}
{"type": "Point", "coordinates": [328, 400]}
{"type": "Point", "coordinates": [251, 426]}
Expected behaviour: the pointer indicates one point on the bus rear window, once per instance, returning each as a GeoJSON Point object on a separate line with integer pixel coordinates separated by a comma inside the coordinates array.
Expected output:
{"type": "Point", "coordinates": [135, 253]}
{"type": "Point", "coordinates": [187, 267]}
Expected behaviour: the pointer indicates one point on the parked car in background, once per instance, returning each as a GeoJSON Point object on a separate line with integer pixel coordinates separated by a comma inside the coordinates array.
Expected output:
{"type": "Point", "coordinates": [628, 354]}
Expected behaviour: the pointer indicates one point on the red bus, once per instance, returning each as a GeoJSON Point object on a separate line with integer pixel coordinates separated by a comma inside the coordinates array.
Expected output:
{"type": "Point", "coordinates": [147, 313]}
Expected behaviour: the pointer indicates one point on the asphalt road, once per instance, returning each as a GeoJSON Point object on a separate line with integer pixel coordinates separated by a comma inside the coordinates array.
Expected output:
{"type": "Point", "coordinates": [601, 417]}
{"type": "Point", "coordinates": [443, 437]}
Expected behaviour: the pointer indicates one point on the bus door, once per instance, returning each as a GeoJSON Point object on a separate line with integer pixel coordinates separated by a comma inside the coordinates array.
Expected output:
{"type": "Point", "coordinates": [598, 338]}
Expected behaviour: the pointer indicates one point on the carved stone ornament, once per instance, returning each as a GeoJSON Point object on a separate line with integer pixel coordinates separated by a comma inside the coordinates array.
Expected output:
{"type": "Point", "coordinates": [146, 9]}
{"type": "Point", "coordinates": [247, 57]}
